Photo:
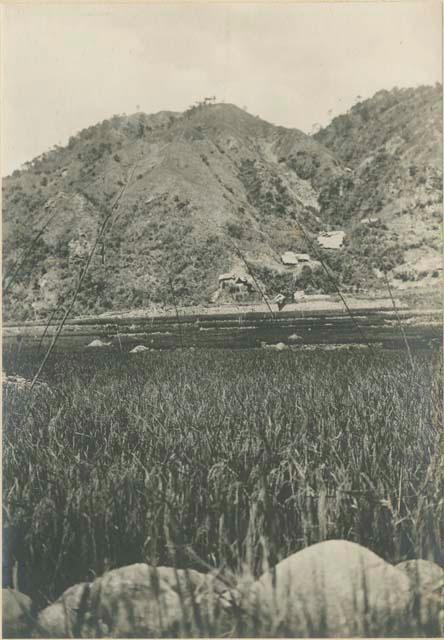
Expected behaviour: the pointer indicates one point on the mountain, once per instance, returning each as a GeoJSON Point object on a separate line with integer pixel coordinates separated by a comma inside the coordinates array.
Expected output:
{"type": "Point", "coordinates": [392, 145]}
{"type": "Point", "coordinates": [215, 189]}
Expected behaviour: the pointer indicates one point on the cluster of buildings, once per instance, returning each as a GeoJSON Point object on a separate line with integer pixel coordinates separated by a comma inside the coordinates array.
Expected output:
{"type": "Point", "coordinates": [238, 282]}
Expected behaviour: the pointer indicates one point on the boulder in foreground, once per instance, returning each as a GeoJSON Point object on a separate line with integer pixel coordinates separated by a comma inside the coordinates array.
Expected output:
{"type": "Point", "coordinates": [136, 601]}
{"type": "Point", "coordinates": [428, 575]}
{"type": "Point", "coordinates": [333, 588]}
{"type": "Point", "coordinates": [66, 617]}
{"type": "Point", "coordinates": [18, 619]}
{"type": "Point", "coordinates": [427, 593]}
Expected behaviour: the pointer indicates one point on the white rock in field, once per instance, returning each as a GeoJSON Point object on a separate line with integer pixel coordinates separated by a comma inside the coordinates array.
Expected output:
{"type": "Point", "coordinates": [427, 587]}
{"type": "Point", "coordinates": [146, 601]}
{"type": "Point", "coordinates": [98, 344]}
{"type": "Point", "coordinates": [139, 349]}
{"type": "Point", "coordinates": [294, 337]}
{"type": "Point", "coordinates": [68, 616]}
{"type": "Point", "coordinates": [187, 580]}
{"type": "Point", "coordinates": [280, 346]}
{"type": "Point", "coordinates": [334, 587]}
{"type": "Point", "coordinates": [133, 601]}
{"type": "Point", "coordinates": [18, 619]}
{"type": "Point", "coordinates": [428, 575]}
{"type": "Point", "coordinates": [204, 586]}
{"type": "Point", "coordinates": [19, 383]}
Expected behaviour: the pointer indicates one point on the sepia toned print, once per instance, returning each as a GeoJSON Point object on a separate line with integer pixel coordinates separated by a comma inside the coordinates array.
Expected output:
{"type": "Point", "coordinates": [222, 320]}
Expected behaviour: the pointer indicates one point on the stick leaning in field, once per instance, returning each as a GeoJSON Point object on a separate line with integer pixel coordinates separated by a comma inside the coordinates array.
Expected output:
{"type": "Point", "coordinates": [83, 274]}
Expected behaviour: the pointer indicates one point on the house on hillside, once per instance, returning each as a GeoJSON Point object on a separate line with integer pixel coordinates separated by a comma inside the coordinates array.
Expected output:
{"type": "Point", "coordinates": [235, 285]}
{"type": "Point", "coordinates": [292, 258]}
{"type": "Point", "coordinates": [235, 282]}
{"type": "Point", "coordinates": [331, 239]}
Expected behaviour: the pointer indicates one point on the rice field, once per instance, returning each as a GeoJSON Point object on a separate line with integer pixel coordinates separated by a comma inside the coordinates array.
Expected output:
{"type": "Point", "coordinates": [209, 458]}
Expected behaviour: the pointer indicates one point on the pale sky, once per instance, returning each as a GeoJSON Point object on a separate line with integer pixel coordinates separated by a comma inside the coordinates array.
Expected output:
{"type": "Point", "coordinates": [68, 66]}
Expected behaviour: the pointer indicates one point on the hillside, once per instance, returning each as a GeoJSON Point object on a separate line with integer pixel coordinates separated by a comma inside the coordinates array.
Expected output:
{"type": "Point", "coordinates": [392, 145]}
{"type": "Point", "coordinates": [215, 188]}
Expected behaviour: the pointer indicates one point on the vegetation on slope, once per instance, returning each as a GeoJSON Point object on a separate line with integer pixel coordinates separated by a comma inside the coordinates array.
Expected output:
{"type": "Point", "coordinates": [212, 180]}
{"type": "Point", "coordinates": [176, 224]}
{"type": "Point", "coordinates": [392, 146]}
{"type": "Point", "coordinates": [411, 118]}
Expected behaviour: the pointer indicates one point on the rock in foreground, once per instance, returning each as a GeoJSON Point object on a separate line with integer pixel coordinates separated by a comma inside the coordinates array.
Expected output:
{"type": "Point", "coordinates": [66, 617]}
{"type": "Point", "coordinates": [18, 619]}
{"type": "Point", "coordinates": [427, 593]}
{"type": "Point", "coordinates": [427, 575]}
{"type": "Point", "coordinates": [333, 588]}
{"type": "Point", "coordinates": [135, 601]}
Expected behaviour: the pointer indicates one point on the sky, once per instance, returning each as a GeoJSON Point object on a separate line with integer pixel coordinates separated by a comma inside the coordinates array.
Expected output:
{"type": "Point", "coordinates": [296, 64]}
